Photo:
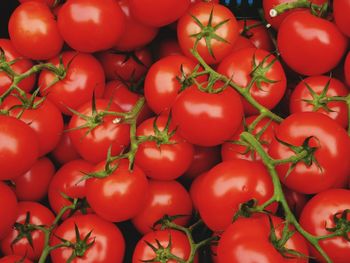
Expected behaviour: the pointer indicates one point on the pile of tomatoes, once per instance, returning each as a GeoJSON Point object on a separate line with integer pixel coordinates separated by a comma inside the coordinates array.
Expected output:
{"type": "Point", "coordinates": [172, 131]}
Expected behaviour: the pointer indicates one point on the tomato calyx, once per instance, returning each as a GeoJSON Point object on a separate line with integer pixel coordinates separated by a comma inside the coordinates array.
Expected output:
{"type": "Point", "coordinates": [186, 80]}
{"type": "Point", "coordinates": [246, 209]}
{"type": "Point", "coordinates": [317, 10]}
{"type": "Point", "coordinates": [80, 204]}
{"type": "Point", "coordinates": [166, 221]}
{"type": "Point", "coordinates": [342, 225]}
{"type": "Point", "coordinates": [246, 29]}
{"type": "Point", "coordinates": [162, 253]}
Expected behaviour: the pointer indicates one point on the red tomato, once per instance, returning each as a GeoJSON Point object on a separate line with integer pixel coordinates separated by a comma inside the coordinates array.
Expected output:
{"type": "Point", "coordinates": [347, 69]}
{"type": "Point", "coordinates": [198, 1]}
{"type": "Point", "coordinates": [249, 63]}
{"type": "Point", "coordinates": [228, 185]}
{"type": "Point", "coordinates": [44, 118]}
{"type": "Point", "coordinates": [108, 243]}
{"type": "Point", "coordinates": [34, 184]}
{"type": "Point", "coordinates": [296, 201]}
{"type": "Point", "coordinates": [68, 181]}
{"type": "Point", "coordinates": [195, 190]}
{"type": "Point", "coordinates": [165, 158]}
{"type": "Point", "coordinates": [316, 172]}
{"type": "Point", "coordinates": [84, 76]}
{"type": "Point", "coordinates": [248, 240]}
{"type": "Point", "coordinates": [19, 147]}
{"type": "Point", "coordinates": [158, 13]}
{"type": "Point", "coordinates": [164, 198]}
{"type": "Point", "coordinates": [14, 259]}
{"type": "Point", "coordinates": [207, 119]}
{"type": "Point", "coordinates": [50, 3]}
{"type": "Point", "coordinates": [318, 45]}
{"type": "Point", "coordinates": [341, 10]}
{"type": "Point", "coordinates": [33, 31]}
{"type": "Point", "coordinates": [188, 29]}
{"type": "Point", "coordinates": [180, 246]}
{"type": "Point", "coordinates": [20, 66]}
{"type": "Point", "coordinates": [8, 209]}
{"type": "Point", "coordinates": [119, 196]}
{"type": "Point", "coordinates": [242, 43]}
{"type": "Point", "coordinates": [36, 214]}
{"type": "Point", "coordinates": [168, 47]}
{"type": "Point", "coordinates": [318, 214]}
{"type": "Point", "coordinates": [303, 99]}
{"type": "Point", "coordinates": [91, 25]}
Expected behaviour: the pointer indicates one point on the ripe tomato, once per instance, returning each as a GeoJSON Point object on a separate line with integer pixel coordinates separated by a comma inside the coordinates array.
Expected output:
{"type": "Point", "coordinates": [91, 25]}
{"type": "Point", "coordinates": [347, 68]}
{"type": "Point", "coordinates": [158, 13]}
{"type": "Point", "coordinates": [19, 147]}
{"type": "Point", "coordinates": [198, 1]}
{"type": "Point", "coordinates": [108, 243]}
{"type": "Point", "coordinates": [119, 196]}
{"type": "Point", "coordinates": [14, 259]}
{"type": "Point", "coordinates": [33, 185]}
{"type": "Point", "coordinates": [341, 10]}
{"type": "Point", "coordinates": [164, 198]}
{"type": "Point", "coordinates": [228, 185]}
{"type": "Point", "coordinates": [221, 39]}
{"type": "Point", "coordinates": [242, 43]}
{"type": "Point", "coordinates": [167, 47]}
{"type": "Point", "coordinates": [8, 209]}
{"type": "Point", "coordinates": [50, 3]}
{"type": "Point", "coordinates": [318, 45]}
{"type": "Point", "coordinates": [245, 64]}
{"type": "Point", "coordinates": [28, 213]}
{"type": "Point", "coordinates": [195, 190]}
{"type": "Point", "coordinates": [84, 76]}
{"type": "Point", "coordinates": [33, 31]}
{"type": "Point", "coordinates": [238, 244]}
{"type": "Point", "coordinates": [318, 214]}
{"type": "Point", "coordinates": [316, 172]}
{"type": "Point", "coordinates": [296, 201]}
{"type": "Point", "coordinates": [68, 180]}
{"type": "Point", "coordinates": [20, 66]}
{"type": "Point", "coordinates": [207, 119]}
{"type": "Point", "coordinates": [303, 99]}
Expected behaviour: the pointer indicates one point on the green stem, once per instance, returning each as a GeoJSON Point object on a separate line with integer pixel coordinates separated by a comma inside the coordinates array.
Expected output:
{"type": "Point", "coordinates": [347, 101]}
{"type": "Point", "coordinates": [281, 8]}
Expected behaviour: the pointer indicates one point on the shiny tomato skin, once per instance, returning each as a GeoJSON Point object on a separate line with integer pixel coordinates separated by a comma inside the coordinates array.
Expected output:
{"type": "Point", "coordinates": [91, 25]}
{"type": "Point", "coordinates": [167, 47]}
{"type": "Point", "coordinates": [229, 184]}
{"type": "Point", "coordinates": [164, 198]}
{"type": "Point", "coordinates": [333, 149]}
{"type": "Point", "coordinates": [84, 77]}
{"type": "Point", "coordinates": [108, 246]}
{"type": "Point", "coordinates": [318, 214]}
{"type": "Point", "coordinates": [19, 147]}
{"type": "Point", "coordinates": [207, 119]}
{"type": "Point", "coordinates": [341, 11]}
{"type": "Point", "coordinates": [187, 27]}
{"type": "Point", "coordinates": [318, 45]}
{"type": "Point", "coordinates": [20, 66]}
{"type": "Point", "coordinates": [242, 43]}
{"type": "Point", "coordinates": [14, 259]}
{"type": "Point", "coordinates": [121, 195]}
{"type": "Point", "coordinates": [8, 209]}
{"type": "Point", "coordinates": [238, 244]}
{"type": "Point", "coordinates": [195, 189]}
{"type": "Point", "coordinates": [33, 31]}
{"type": "Point", "coordinates": [39, 215]}
{"type": "Point", "coordinates": [33, 185]}
{"type": "Point", "coordinates": [347, 69]}
{"type": "Point", "coordinates": [337, 110]}
{"type": "Point", "coordinates": [240, 65]}
{"type": "Point", "coordinates": [50, 3]}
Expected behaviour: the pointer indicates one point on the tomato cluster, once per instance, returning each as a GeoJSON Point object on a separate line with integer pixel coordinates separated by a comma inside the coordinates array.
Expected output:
{"type": "Point", "coordinates": [172, 131]}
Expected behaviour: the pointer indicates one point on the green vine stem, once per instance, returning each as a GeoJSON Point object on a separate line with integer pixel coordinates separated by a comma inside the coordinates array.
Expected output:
{"type": "Point", "coordinates": [347, 101]}
{"type": "Point", "coordinates": [281, 8]}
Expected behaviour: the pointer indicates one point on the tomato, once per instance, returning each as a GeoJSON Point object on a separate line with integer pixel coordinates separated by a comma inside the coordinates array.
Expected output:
{"type": "Point", "coordinates": [8, 209]}
{"type": "Point", "coordinates": [245, 64]}
{"type": "Point", "coordinates": [257, 33]}
{"type": "Point", "coordinates": [91, 25]}
{"type": "Point", "coordinates": [207, 119]}
{"type": "Point", "coordinates": [158, 13]}
{"type": "Point", "coordinates": [20, 66]}
{"type": "Point", "coordinates": [316, 172]}
{"type": "Point", "coordinates": [180, 246]}
{"type": "Point", "coordinates": [318, 45]}
{"type": "Point", "coordinates": [68, 180]}
{"type": "Point", "coordinates": [296, 201]}
{"type": "Point", "coordinates": [50, 3]}
{"type": "Point", "coordinates": [33, 185]}
{"type": "Point", "coordinates": [341, 11]}
{"type": "Point", "coordinates": [119, 196]}
{"type": "Point", "coordinates": [242, 43]}
{"type": "Point", "coordinates": [347, 68]}
{"type": "Point", "coordinates": [19, 147]}
{"type": "Point", "coordinates": [198, 1]}
{"type": "Point", "coordinates": [303, 99]}
{"type": "Point", "coordinates": [127, 66]}
{"type": "Point", "coordinates": [164, 198]}
{"type": "Point", "coordinates": [221, 39]}
{"type": "Point", "coordinates": [165, 79]}
{"type": "Point", "coordinates": [318, 214]}
{"type": "Point", "coordinates": [136, 34]}
{"type": "Point", "coordinates": [107, 241]}
{"type": "Point", "coordinates": [195, 190]}
{"type": "Point", "coordinates": [34, 32]}
{"type": "Point", "coordinates": [238, 244]}
{"type": "Point", "coordinates": [43, 117]}
{"type": "Point", "coordinates": [28, 213]}
{"type": "Point", "coordinates": [14, 259]}
{"type": "Point", "coordinates": [84, 76]}
{"type": "Point", "coordinates": [228, 185]}
{"type": "Point", "coordinates": [166, 157]}
{"type": "Point", "coordinates": [93, 142]}
{"type": "Point", "coordinates": [168, 47]}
